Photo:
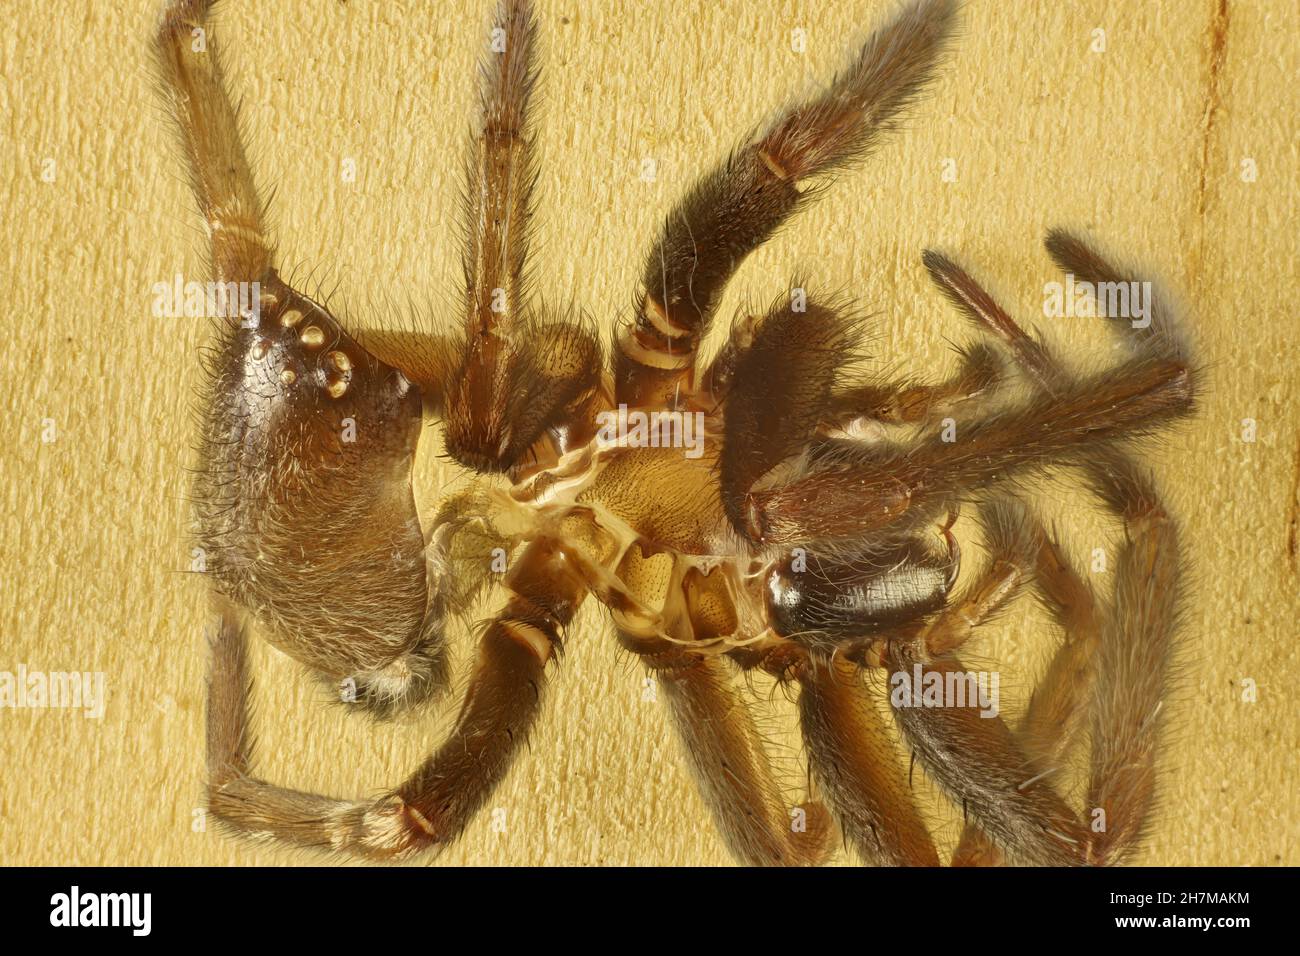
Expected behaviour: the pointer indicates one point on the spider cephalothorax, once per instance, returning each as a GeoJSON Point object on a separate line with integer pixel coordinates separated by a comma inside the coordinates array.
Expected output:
{"type": "Point", "coordinates": [771, 510]}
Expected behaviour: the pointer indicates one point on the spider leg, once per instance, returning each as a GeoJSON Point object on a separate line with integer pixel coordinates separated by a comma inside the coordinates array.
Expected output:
{"type": "Point", "coordinates": [517, 376]}
{"type": "Point", "coordinates": [1058, 710]}
{"type": "Point", "coordinates": [817, 608]}
{"type": "Point", "coordinates": [1066, 421]}
{"type": "Point", "coordinates": [1137, 639]}
{"type": "Point", "coordinates": [732, 769]}
{"type": "Point", "coordinates": [739, 205]}
{"type": "Point", "coordinates": [975, 757]}
{"type": "Point", "coordinates": [1014, 539]}
{"type": "Point", "coordinates": [952, 738]}
{"type": "Point", "coordinates": [857, 766]}
{"type": "Point", "coordinates": [1137, 635]}
{"type": "Point", "coordinates": [220, 176]}
{"type": "Point", "coordinates": [975, 303]}
{"type": "Point", "coordinates": [716, 728]}
{"type": "Point", "coordinates": [729, 761]}
{"type": "Point", "coordinates": [1133, 642]}
{"type": "Point", "coordinates": [908, 403]}
{"type": "Point", "coordinates": [434, 804]}
{"type": "Point", "coordinates": [979, 374]}
{"type": "Point", "coordinates": [828, 503]}
{"type": "Point", "coordinates": [779, 394]}
{"type": "Point", "coordinates": [1111, 670]}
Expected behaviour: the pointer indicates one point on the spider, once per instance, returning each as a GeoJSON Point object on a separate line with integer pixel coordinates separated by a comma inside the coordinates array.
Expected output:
{"type": "Point", "coordinates": [807, 535]}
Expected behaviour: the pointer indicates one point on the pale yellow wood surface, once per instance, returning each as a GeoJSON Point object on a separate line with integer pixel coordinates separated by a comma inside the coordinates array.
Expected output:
{"type": "Point", "coordinates": [1140, 146]}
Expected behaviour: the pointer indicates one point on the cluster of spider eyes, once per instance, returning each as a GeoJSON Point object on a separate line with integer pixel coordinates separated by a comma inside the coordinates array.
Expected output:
{"type": "Point", "coordinates": [336, 371]}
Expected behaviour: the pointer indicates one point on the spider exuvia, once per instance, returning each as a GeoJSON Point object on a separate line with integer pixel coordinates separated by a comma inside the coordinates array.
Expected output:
{"type": "Point", "coordinates": [768, 510]}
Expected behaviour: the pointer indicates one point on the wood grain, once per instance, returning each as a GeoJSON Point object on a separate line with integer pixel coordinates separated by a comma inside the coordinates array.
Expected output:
{"type": "Point", "coordinates": [1141, 147]}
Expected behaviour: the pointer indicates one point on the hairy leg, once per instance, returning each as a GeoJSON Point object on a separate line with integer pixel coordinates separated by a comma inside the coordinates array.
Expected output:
{"type": "Point", "coordinates": [850, 749]}
{"type": "Point", "coordinates": [1109, 676]}
{"type": "Point", "coordinates": [1066, 419]}
{"type": "Point", "coordinates": [434, 804]}
{"type": "Point", "coordinates": [1137, 640]}
{"type": "Point", "coordinates": [730, 763]}
{"type": "Point", "coordinates": [977, 759]}
{"type": "Point", "coordinates": [1137, 636]}
{"type": "Point", "coordinates": [780, 392]}
{"type": "Point", "coordinates": [194, 86]}
{"type": "Point", "coordinates": [971, 752]}
{"type": "Point", "coordinates": [1058, 711]}
{"type": "Point", "coordinates": [1012, 796]}
{"type": "Point", "coordinates": [714, 724]}
{"type": "Point", "coordinates": [857, 766]}
{"type": "Point", "coordinates": [910, 403]}
{"type": "Point", "coordinates": [1117, 661]}
{"type": "Point", "coordinates": [517, 375]}
{"type": "Point", "coordinates": [827, 503]}
{"type": "Point", "coordinates": [738, 206]}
